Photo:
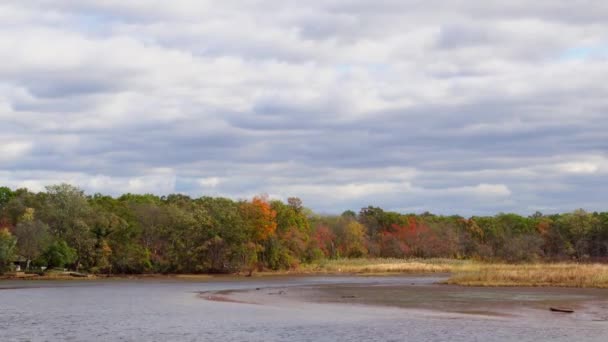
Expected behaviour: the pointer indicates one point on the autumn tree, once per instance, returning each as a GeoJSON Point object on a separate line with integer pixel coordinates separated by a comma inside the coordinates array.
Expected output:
{"type": "Point", "coordinates": [20, 201]}
{"type": "Point", "coordinates": [353, 239]}
{"type": "Point", "coordinates": [260, 220]}
{"type": "Point", "coordinates": [288, 246]}
{"type": "Point", "coordinates": [261, 217]}
{"type": "Point", "coordinates": [177, 233]}
{"type": "Point", "coordinates": [325, 241]}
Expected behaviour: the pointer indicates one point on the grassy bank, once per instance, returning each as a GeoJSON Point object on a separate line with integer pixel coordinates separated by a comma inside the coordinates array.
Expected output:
{"type": "Point", "coordinates": [561, 274]}
{"type": "Point", "coordinates": [474, 273]}
{"type": "Point", "coordinates": [386, 265]}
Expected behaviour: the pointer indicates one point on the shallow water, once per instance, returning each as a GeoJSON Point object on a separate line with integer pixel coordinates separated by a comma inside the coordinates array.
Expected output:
{"type": "Point", "coordinates": [155, 310]}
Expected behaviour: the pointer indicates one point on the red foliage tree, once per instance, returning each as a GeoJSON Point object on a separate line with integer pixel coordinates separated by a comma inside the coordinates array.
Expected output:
{"type": "Point", "coordinates": [5, 223]}
{"type": "Point", "coordinates": [325, 239]}
{"type": "Point", "coordinates": [412, 239]}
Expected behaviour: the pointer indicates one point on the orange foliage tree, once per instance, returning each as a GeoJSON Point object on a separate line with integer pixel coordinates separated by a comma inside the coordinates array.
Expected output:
{"type": "Point", "coordinates": [261, 218]}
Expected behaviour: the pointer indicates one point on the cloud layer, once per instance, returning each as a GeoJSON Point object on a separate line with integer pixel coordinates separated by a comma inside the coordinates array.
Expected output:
{"type": "Point", "coordinates": [452, 107]}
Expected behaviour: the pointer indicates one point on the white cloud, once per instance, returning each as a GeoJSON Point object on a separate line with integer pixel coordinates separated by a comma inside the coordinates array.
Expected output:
{"type": "Point", "coordinates": [344, 103]}
{"type": "Point", "coordinates": [578, 167]}
{"type": "Point", "coordinates": [209, 182]}
{"type": "Point", "coordinates": [160, 181]}
{"type": "Point", "coordinates": [482, 190]}
{"type": "Point", "coordinates": [13, 150]}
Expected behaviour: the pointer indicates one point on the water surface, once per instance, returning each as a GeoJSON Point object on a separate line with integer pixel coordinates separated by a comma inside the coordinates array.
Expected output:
{"type": "Point", "coordinates": [335, 308]}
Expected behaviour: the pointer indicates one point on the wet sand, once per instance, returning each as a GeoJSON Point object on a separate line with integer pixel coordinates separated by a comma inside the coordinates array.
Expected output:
{"type": "Point", "coordinates": [424, 294]}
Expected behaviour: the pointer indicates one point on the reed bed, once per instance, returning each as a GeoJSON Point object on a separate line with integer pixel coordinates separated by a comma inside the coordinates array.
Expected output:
{"type": "Point", "coordinates": [474, 273]}
{"type": "Point", "coordinates": [540, 274]}
{"type": "Point", "coordinates": [385, 265]}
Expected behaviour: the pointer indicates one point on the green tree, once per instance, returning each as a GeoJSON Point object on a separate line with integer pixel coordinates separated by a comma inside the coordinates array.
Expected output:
{"type": "Point", "coordinates": [6, 195]}
{"type": "Point", "coordinates": [69, 215]}
{"type": "Point", "coordinates": [186, 237]}
{"type": "Point", "coordinates": [59, 254]}
{"type": "Point", "coordinates": [578, 226]}
{"type": "Point", "coordinates": [225, 246]}
{"type": "Point", "coordinates": [599, 236]}
{"type": "Point", "coordinates": [8, 246]}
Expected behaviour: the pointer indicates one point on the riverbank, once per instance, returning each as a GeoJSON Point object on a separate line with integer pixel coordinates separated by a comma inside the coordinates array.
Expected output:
{"type": "Point", "coordinates": [67, 275]}
{"type": "Point", "coordinates": [462, 272]}
{"type": "Point", "coordinates": [85, 276]}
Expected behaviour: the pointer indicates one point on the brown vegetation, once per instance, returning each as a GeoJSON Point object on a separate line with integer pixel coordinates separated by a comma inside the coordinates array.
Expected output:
{"type": "Point", "coordinates": [384, 265]}
{"type": "Point", "coordinates": [543, 274]}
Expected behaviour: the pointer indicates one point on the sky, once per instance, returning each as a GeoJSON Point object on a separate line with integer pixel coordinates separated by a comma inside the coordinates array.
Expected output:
{"type": "Point", "coordinates": [453, 107]}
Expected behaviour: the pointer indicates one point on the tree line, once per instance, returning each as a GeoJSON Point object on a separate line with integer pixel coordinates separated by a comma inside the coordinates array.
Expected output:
{"type": "Point", "coordinates": [63, 227]}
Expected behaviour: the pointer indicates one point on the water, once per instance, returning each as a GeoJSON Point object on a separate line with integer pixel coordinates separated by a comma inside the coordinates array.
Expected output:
{"type": "Point", "coordinates": [154, 310]}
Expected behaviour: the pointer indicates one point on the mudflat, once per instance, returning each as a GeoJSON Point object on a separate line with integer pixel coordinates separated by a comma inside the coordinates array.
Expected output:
{"type": "Point", "coordinates": [429, 294]}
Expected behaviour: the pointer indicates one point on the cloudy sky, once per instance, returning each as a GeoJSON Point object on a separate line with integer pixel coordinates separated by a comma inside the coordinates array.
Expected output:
{"type": "Point", "coordinates": [468, 107]}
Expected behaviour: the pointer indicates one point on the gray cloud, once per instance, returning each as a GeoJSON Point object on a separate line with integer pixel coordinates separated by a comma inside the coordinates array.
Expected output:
{"type": "Point", "coordinates": [453, 107]}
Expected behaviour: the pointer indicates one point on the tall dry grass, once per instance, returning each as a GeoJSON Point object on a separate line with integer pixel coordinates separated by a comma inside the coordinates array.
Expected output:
{"type": "Point", "coordinates": [543, 274]}
{"type": "Point", "coordinates": [474, 273]}
{"type": "Point", "coordinates": [385, 265]}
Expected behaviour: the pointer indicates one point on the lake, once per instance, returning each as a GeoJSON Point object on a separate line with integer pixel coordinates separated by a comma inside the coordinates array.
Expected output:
{"type": "Point", "coordinates": [311, 308]}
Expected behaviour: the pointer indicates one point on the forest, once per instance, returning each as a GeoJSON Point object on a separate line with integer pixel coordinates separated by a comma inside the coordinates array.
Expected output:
{"type": "Point", "coordinates": [63, 227]}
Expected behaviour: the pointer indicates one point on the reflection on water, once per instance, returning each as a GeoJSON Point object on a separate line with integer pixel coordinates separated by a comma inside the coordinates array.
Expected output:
{"type": "Point", "coordinates": [171, 311]}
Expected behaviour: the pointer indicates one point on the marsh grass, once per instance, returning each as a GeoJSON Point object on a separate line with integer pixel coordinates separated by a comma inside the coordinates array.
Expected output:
{"type": "Point", "coordinates": [542, 274]}
{"type": "Point", "coordinates": [385, 265]}
{"type": "Point", "coordinates": [474, 273]}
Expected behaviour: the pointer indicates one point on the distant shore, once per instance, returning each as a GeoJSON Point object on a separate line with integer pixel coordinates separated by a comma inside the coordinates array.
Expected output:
{"type": "Point", "coordinates": [461, 272]}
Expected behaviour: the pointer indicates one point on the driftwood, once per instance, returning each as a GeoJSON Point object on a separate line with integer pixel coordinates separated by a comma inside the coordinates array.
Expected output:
{"type": "Point", "coordinates": [78, 275]}
{"type": "Point", "coordinates": [565, 310]}
{"type": "Point", "coordinates": [280, 293]}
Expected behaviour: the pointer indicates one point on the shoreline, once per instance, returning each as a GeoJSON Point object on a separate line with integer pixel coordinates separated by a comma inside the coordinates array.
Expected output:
{"type": "Point", "coordinates": [466, 273]}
